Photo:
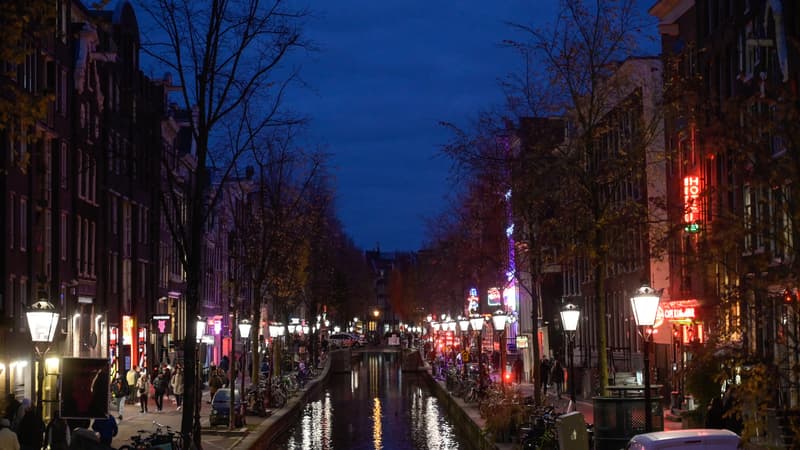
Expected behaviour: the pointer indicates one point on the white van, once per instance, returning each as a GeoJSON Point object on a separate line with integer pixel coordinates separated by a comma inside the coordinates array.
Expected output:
{"type": "Point", "coordinates": [698, 439]}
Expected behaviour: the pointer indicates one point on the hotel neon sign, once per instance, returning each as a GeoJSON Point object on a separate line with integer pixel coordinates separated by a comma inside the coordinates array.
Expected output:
{"type": "Point", "coordinates": [691, 203]}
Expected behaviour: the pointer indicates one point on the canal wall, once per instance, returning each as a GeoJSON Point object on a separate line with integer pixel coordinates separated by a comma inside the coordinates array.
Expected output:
{"type": "Point", "coordinates": [269, 430]}
{"type": "Point", "coordinates": [468, 421]}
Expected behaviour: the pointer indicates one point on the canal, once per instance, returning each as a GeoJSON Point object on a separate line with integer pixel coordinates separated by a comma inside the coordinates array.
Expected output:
{"type": "Point", "coordinates": [375, 406]}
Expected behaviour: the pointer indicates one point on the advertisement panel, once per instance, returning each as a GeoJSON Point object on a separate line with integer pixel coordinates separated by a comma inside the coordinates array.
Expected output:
{"type": "Point", "coordinates": [84, 388]}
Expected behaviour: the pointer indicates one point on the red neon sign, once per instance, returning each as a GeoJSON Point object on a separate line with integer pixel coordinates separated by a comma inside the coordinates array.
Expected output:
{"type": "Point", "coordinates": [679, 313]}
{"type": "Point", "coordinates": [691, 194]}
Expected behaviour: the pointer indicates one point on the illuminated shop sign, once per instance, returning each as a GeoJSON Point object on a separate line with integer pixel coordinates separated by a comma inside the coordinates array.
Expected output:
{"type": "Point", "coordinates": [679, 313]}
{"type": "Point", "coordinates": [472, 301]}
{"type": "Point", "coordinates": [495, 299]}
{"type": "Point", "coordinates": [691, 203]}
{"type": "Point", "coordinates": [162, 323]}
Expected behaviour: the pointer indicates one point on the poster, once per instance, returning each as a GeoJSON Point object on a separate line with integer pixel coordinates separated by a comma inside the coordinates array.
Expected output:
{"type": "Point", "coordinates": [84, 388]}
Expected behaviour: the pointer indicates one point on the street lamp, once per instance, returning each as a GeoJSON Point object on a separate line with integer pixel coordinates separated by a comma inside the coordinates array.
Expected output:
{"type": "Point", "coordinates": [200, 329]}
{"type": "Point", "coordinates": [645, 307]}
{"type": "Point", "coordinates": [463, 325]}
{"type": "Point", "coordinates": [244, 332]}
{"type": "Point", "coordinates": [499, 320]}
{"type": "Point", "coordinates": [569, 320]}
{"type": "Point", "coordinates": [476, 320]}
{"type": "Point", "coordinates": [42, 322]}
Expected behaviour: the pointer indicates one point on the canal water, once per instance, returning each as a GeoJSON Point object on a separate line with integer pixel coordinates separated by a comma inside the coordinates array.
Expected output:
{"type": "Point", "coordinates": [376, 406]}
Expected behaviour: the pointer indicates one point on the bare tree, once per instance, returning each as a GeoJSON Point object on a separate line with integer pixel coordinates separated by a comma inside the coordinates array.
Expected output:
{"type": "Point", "coordinates": [578, 77]}
{"type": "Point", "coordinates": [227, 56]}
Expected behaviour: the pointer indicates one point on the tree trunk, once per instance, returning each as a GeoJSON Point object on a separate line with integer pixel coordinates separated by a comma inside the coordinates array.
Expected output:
{"type": "Point", "coordinates": [600, 325]}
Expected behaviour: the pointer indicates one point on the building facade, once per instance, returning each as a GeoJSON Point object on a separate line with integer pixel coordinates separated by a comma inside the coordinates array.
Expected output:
{"type": "Point", "coordinates": [730, 180]}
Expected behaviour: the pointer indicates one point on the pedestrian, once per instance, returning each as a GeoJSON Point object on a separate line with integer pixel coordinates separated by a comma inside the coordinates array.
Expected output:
{"type": "Point", "coordinates": [159, 387]}
{"type": "Point", "coordinates": [177, 386]}
{"type": "Point", "coordinates": [132, 377]}
{"type": "Point", "coordinates": [120, 389]}
{"type": "Point", "coordinates": [57, 433]}
{"type": "Point", "coordinates": [544, 370]}
{"type": "Point", "coordinates": [214, 382]}
{"type": "Point", "coordinates": [12, 406]}
{"type": "Point", "coordinates": [557, 376]}
{"type": "Point", "coordinates": [167, 371]}
{"type": "Point", "coordinates": [8, 439]}
{"type": "Point", "coordinates": [30, 432]}
{"type": "Point", "coordinates": [107, 428]}
{"type": "Point", "coordinates": [224, 364]}
{"type": "Point", "coordinates": [518, 368]}
{"type": "Point", "coordinates": [143, 388]}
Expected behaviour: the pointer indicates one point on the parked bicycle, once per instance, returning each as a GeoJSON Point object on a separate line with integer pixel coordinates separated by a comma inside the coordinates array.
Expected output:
{"type": "Point", "coordinates": [162, 438]}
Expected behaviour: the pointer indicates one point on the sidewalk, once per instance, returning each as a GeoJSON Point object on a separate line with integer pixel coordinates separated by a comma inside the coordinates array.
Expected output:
{"type": "Point", "coordinates": [214, 438]}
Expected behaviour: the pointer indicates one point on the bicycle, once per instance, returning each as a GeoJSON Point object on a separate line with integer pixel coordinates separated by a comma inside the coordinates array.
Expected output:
{"type": "Point", "coordinates": [163, 438]}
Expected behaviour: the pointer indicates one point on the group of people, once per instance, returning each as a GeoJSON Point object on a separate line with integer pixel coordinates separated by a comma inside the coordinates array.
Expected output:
{"type": "Point", "coordinates": [138, 385]}
{"type": "Point", "coordinates": [552, 374]}
{"type": "Point", "coordinates": [22, 428]}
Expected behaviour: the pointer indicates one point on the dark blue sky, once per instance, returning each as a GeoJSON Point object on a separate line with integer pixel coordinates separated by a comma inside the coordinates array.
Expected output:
{"type": "Point", "coordinates": [385, 74]}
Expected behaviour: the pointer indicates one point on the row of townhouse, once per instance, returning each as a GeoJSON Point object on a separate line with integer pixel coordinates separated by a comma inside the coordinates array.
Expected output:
{"type": "Point", "coordinates": [719, 180]}
{"type": "Point", "coordinates": [82, 195]}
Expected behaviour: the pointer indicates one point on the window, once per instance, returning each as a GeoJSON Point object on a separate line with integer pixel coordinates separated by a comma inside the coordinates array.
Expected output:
{"type": "Point", "coordinates": [48, 241]}
{"type": "Point", "coordinates": [81, 174]}
{"type": "Point", "coordinates": [12, 219]}
{"type": "Point", "coordinates": [23, 224]}
{"type": "Point", "coordinates": [92, 240]}
{"type": "Point", "coordinates": [23, 302]}
{"type": "Point", "coordinates": [114, 214]}
{"type": "Point", "coordinates": [63, 233]}
{"type": "Point", "coordinates": [64, 165]}
{"type": "Point", "coordinates": [126, 223]}
{"type": "Point", "coordinates": [78, 240]}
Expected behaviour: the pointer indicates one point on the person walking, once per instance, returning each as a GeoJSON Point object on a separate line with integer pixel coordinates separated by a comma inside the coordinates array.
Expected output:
{"type": "Point", "coordinates": [30, 432]}
{"type": "Point", "coordinates": [518, 369]}
{"type": "Point", "coordinates": [177, 386]}
{"type": "Point", "coordinates": [159, 387]}
{"type": "Point", "coordinates": [8, 439]}
{"type": "Point", "coordinates": [120, 389]}
{"type": "Point", "coordinates": [214, 382]}
{"type": "Point", "coordinates": [57, 434]}
{"type": "Point", "coordinates": [557, 376]}
{"type": "Point", "coordinates": [132, 377]}
{"type": "Point", "coordinates": [143, 388]}
{"type": "Point", "coordinates": [545, 372]}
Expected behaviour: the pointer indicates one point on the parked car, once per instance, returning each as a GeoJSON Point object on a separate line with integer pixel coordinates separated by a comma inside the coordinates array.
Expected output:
{"type": "Point", "coordinates": [342, 340]}
{"type": "Point", "coordinates": [220, 408]}
{"type": "Point", "coordinates": [697, 439]}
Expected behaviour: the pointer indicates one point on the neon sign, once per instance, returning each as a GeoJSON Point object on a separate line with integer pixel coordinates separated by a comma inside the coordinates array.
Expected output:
{"type": "Point", "coordinates": [691, 203]}
{"type": "Point", "coordinates": [472, 301]}
{"type": "Point", "coordinates": [679, 313]}
{"type": "Point", "coordinates": [494, 297]}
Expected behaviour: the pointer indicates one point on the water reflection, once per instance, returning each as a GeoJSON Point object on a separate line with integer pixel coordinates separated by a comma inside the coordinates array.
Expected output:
{"type": "Point", "coordinates": [374, 407]}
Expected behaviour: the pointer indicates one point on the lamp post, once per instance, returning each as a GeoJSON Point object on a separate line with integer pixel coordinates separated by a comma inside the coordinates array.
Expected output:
{"type": "Point", "coordinates": [244, 332]}
{"type": "Point", "coordinates": [645, 307]}
{"type": "Point", "coordinates": [42, 322]}
{"type": "Point", "coordinates": [200, 329]}
{"type": "Point", "coordinates": [476, 321]}
{"type": "Point", "coordinates": [463, 325]}
{"type": "Point", "coordinates": [569, 320]}
{"type": "Point", "coordinates": [499, 320]}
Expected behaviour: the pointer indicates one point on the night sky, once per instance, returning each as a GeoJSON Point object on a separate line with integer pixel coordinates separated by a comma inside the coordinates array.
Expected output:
{"type": "Point", "coordinates": [386, 73]}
